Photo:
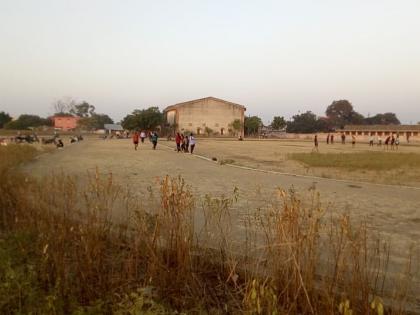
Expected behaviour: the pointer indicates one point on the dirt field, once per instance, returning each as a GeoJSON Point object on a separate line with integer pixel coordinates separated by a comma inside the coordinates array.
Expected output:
{"type": "Point", "coordinates": [274, 155]}
{"type": "Point", "coordinates": [393, 211]}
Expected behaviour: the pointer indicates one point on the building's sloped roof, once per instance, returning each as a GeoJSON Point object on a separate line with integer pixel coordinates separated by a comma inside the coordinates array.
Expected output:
{"type": "Point", "coordinates": [200, 100]}
{"type": "Point", "coordinates": [113, 127]}
{"type": "Point", "coordinates": [382, 128]}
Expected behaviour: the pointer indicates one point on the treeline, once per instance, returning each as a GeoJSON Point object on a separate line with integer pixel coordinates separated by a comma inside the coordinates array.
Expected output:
{"type": "Point", "coordinates": [89, 119]}
{"type": "Point", "coordinates": [338, 114]}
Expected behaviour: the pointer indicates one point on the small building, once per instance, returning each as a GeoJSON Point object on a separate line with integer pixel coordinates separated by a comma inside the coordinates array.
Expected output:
{"type": "Point", "coordinates": [206, 115]}
{"type": "Point", "coordinates": [404, 131]}
{"type": "Point", "coordinates": [65, 122]}
{"type": "Point", "coordinates": [110, 128]}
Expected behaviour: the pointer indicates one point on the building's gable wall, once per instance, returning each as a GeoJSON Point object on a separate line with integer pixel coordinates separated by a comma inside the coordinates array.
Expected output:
{"type": "Point", "coordinates": [212, 113]}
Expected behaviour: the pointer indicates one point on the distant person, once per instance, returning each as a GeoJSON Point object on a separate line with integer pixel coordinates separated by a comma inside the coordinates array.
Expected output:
{"type": "Point", "coordinates": [178, 140]}
{"type": "Point", "coordinates": [392, 142]}
{"type": "Point", "coordinates": [387, 140]}
{"type": "Point", "coordinates": [142, 136]}
{"type": "Point", "coordinates": [136, 139]}
{"type": "Point", "coordinates": [187, 143]}
{"type": "Point", "coordinates": [182, 143]}
{"type": "Point", "coordinates": [154, 139]}
{"type": "Point", "coordinates": [328, 139]}
{"type": "Point", "coordinates": [343, 138]}
{"type": "Point", "coordinates": [59, 143]}
{"type": "Point", "coordinates": [191, 143]}
{"type": "Point", "coordinates": [353, 141]}
{"type": "Point", "coordinates": [316, 143]}
{"type": "Point", "coordinates": [380, 141]}
{"type": "Point", "coordinates": [332, 139]}
{"type": "Point", "coordinates": [397, 142]}
{"type": "Point", "coordinates": [408, 137]}
{"type": "Point", "coordinates": [371, 141]}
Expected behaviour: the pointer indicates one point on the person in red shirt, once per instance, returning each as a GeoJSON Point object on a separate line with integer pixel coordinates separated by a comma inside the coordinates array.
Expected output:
{"type": "Point", "coordinates": [178, 141]}
{"type": "Point", "coordinates": [136, 139]}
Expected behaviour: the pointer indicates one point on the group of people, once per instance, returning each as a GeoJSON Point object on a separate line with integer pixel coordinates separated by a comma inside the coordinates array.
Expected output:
{"type": "Point", "coordinates": [140, 136]}
{"type": "Point", "coordinates": [185, 143]}
{"type": "Point", "coordinates": [390, 141]}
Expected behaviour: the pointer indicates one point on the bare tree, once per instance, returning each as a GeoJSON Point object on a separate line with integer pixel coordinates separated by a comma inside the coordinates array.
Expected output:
{"type": "Point", "coordinates": [64, 105]}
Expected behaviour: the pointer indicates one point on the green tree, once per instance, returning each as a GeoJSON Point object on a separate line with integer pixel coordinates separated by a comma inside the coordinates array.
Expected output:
{"type": "Point", "coordinates": [278, 123]}
{"type": "Point", "coordinates": [341, 113]}
{"type": "Point", "coordinates": [146, 119]}
{"type": "Point", "coordinates": [83, 109]}
{"type": "Point", "coordinates": [252, 124]}
{"type": "Point", "coordinates": [305, 123]}
{"type": "Point", "coordinates": [383, 119]}
{"type": "Point", "coordinates": [237, 126]}
{"type": "Point", "coordinates": [96, 121]}
{"type": "Point", "coordinates": [4, 119]}
{"type": "Point", "coordinates": [28, 121]}
{"type": "Point", "coordinates": [208, 131]}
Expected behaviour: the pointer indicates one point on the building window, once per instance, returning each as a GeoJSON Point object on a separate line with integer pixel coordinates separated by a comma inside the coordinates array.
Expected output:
{"type": "Point", "coordinates": [204, 124]}
{"type": "Point", "coordinates": [359, 133]}
{"type": "Point", "coordinates": [386, 133]}
{"type": "Point", "coordinates": [190, 124]}
{"type": "Point", "coordinates": [216, 125]}
{"type": "Point", "coordinates": [199, 131]}
{"type": "Point", "coordinates": [348, 133]}
{"type": "Point", "coordinates": [353, 133]}
{"type": "Point", "coordinates": [366, 133]}
{"type": "Point", "coordinates": [415, 134]}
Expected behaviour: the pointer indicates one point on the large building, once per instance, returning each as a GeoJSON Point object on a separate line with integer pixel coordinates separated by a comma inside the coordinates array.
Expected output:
{"type": "Point", "coordinates": [206, 114]}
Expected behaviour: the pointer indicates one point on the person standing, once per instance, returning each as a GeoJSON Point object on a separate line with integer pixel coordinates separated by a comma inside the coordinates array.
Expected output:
{"type": "Point", "coordinates": [136, 140]}
{"type": "Point", "coordinates": [187, 143]}
{"type": "Point", "coordinates": [316, 143]}
{"type": "Point", "coordinates": [191, 142]}
{"type": "Point", "coordinates": [154, 139]}
{"type": "Point", "coordinates": [332, 139]}
{"type": "Point", "coordinates": [387, 142]}
{"type": "Point", "coordinates": [328, 139]}
{"type": "Point", "coordinates": [178, 140]}
{"type": "Point", "coordinates": [397, 142]}
{"type": "Point", "coordinates": [371, 141]}
{"type": "Point", "coordinates": [343, 138]}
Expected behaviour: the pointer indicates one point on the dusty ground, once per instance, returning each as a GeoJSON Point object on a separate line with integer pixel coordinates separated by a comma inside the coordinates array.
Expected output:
{"type": "Point", "coordinates": [273, 155]}
{"type": "Point", "coordinates": [393, 211]}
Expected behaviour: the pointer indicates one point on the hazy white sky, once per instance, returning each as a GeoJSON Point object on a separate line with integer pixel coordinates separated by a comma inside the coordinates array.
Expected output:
{"type": "Point", "coordinates": [274, 57]}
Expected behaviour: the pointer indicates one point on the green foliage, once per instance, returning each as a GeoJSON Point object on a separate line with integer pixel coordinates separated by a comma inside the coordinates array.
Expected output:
{"type": "Point", "coordinates": [341, 113]}
{"type": "Point", "coordinates": [383, 119]}
{"type": "Point", "coordinates": [28, 121]}
{"type": "Point", "coordinates": [4, 119]}
{"type": "Point", "coordinates": [83, 109]}
{"type": "Point", "coordinates": [252, 124]}
{"type": "Point", "coordinates": [208, 131]}
{"type": "Point", "coordinates": [96, 121]}
{"type": "Point", "coordinates": [361, 160]}
{"type": "Point", "coordinates": [306, 122]}
{"type": "Point", "coordinates": [278, 123]}
{"type": "Point", "coordinates": [147, 119]}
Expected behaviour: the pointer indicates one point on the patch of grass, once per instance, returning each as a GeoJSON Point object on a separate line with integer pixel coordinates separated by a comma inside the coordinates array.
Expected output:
{"type": "Point", "coordinates": [377, 161]}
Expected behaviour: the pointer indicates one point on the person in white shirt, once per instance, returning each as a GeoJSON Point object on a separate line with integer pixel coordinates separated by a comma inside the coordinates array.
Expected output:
{"type": "Point", "coordinates": [192, 143]}
{"type": "Point", "coordinates": [142, 136]}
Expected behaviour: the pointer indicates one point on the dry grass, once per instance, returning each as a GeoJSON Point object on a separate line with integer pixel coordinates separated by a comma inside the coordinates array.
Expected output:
{"type": "Point", "coordinates": [63, 251]}
{"type": "Point", "coordinates": [376, 161]}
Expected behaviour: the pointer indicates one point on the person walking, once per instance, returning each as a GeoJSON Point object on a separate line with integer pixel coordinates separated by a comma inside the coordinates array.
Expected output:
{"type": "Point", "coordinates": [142, 136]}
{"type": "Point", "coordinates": [353, 141]}
{"type": "Point", "coordinates": [136, 140]}
{"type": "Point", "coordinates": [154, 139]}
{"type": "Point", "coordinates": [191, 141]}
{"type": "Point", "coordinates": [371, 141]}
{"type": "Point", "coordinates": [178, 140]}
{"type": "Point", "coordinates": [343, 138]}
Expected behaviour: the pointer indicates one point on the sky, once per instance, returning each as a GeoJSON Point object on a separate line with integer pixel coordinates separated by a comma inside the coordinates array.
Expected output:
{"type": "Point", "coordinates": [278, 58]}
